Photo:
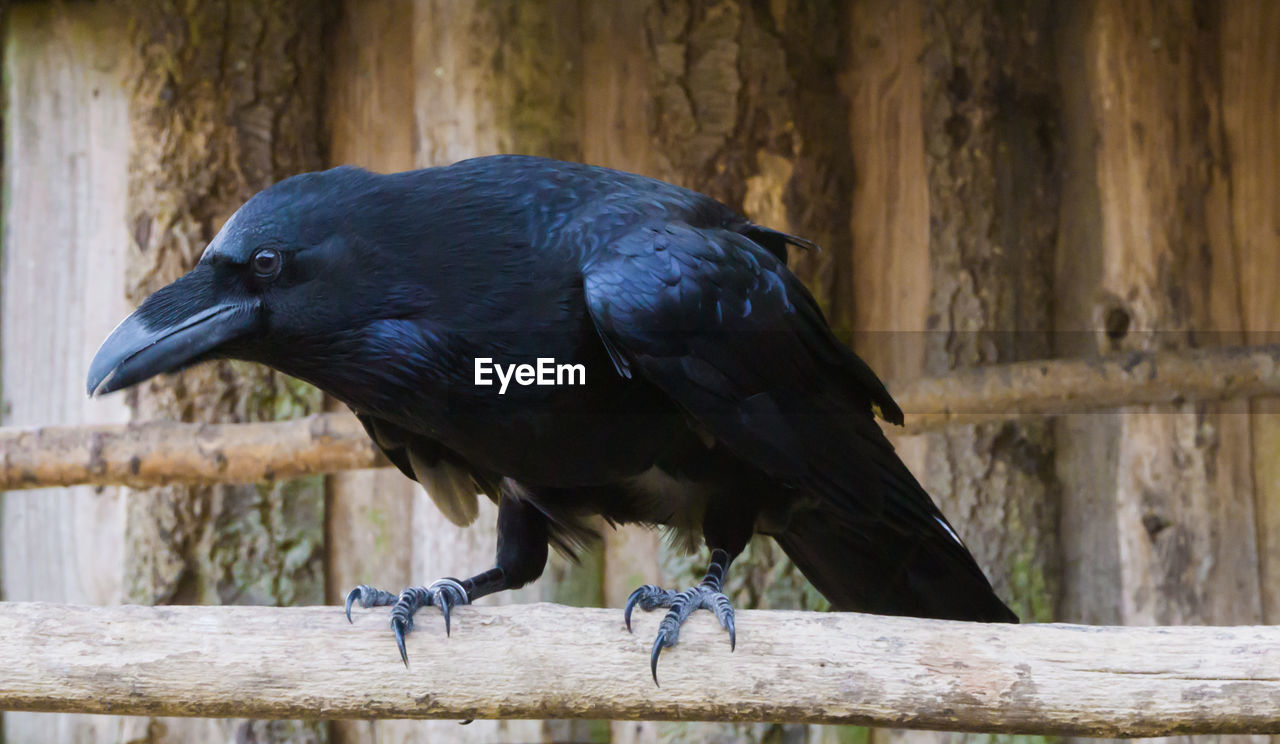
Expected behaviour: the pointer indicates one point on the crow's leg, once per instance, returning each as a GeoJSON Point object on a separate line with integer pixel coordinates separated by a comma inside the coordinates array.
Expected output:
{"type": "Point", "coordinates": [522, 554]}
{"type": "Point", "coordinates": [707, 595]}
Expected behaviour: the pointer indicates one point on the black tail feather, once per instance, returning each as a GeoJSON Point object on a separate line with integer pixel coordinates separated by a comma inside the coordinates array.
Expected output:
{"type": "Point", "coordinates": [890, 573]}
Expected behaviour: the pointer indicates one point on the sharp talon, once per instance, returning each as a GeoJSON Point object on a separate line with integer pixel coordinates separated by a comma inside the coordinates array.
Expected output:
{"type": "Point", "coordinates": [631, 605]}
{"type": "Point", "coordinates": [351, 598]}
{"type": "Point", "coordinates": [397, 625]}
{"type": "Point", "coordinates": [464, 723]}
{"type": "Point", "coordinates": [445, 594]}
{"type": "Point", "coordinates": [367, 596]}
{"type": "Point", "coordinates": [704, 596]}
{"type": "Point", "coordinates": [442, 599]}
{"type": "Point", "coordinates": [653, 658]}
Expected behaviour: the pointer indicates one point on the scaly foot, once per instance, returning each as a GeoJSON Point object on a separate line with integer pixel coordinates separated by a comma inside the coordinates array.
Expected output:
{"type": "Point", "coordinates": [443, 593]}
{"type": "Point", "coordinates": [707, 595]}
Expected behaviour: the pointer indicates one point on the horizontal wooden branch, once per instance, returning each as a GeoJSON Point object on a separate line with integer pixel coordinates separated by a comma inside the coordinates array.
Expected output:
{"type": "Point", "coordinates": [1061, 386]}
{"type": "Point", "coordinates": [549, 661]}
{"type": "Point", "coordinates": [161, 452]}
{"type": "Point", "coordinates": [157, 453]}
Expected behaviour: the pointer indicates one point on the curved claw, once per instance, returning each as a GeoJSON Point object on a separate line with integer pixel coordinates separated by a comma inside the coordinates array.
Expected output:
{"type": "Point", "coordinates": [368, 596]}
{"type": "Point", "coordinates": [397, 625]}
{"type": "Point", "coordinates": [442, 600]}
{"type": "Point", "coordinates": [653, 657]}
{"type": "Point", "coordinates": [705, 596]}
{"type": "Point", "coordinates": [351, 599]}
{"type": "Point", "coordinates": [446, 594]}
{"type": "Point", "coordinates": [631, 605]}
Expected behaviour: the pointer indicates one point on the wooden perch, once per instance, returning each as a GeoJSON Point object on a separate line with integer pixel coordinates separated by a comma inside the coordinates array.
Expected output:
{"type": "Point", "coordinates": [157, 453]}
{"type": "Point", "coordinates": [549, 661]}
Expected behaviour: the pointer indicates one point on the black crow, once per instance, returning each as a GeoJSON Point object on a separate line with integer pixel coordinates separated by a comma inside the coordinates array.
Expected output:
{"type": "Point", "coordinates": [571, 341]}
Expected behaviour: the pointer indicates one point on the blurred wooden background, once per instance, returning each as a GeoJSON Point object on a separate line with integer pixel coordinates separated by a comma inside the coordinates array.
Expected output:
{"type": "Point", "coordinates": [991, 180]}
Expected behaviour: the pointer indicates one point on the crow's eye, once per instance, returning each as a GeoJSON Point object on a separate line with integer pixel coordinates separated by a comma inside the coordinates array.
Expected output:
{"type": "Point", "coordinates": [266, 263]}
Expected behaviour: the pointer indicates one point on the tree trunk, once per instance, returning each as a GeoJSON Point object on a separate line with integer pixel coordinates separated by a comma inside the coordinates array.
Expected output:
{"type": "Point", "coordinates": [990, 150]}
{"type": "Point", "coordinates": [226, 101]}
{"type": "Point", "coordinates": [989, 130]}
{"type": "Point", "coordinates": [744, 105]}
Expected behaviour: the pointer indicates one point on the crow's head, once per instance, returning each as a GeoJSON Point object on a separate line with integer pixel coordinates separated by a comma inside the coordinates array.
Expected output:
{"type": "Point", "coordinates": [292, 268]}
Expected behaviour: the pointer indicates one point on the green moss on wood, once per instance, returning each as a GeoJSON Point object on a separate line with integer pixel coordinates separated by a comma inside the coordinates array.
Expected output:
{"type": "Point", "coordinates": [538, 50]}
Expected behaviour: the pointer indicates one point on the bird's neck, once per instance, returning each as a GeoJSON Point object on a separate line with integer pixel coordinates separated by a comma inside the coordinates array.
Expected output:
{"type": "Point", "coordinates": [386, 368]}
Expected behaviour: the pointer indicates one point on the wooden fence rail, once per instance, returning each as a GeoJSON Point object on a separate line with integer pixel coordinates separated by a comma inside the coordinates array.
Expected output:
{"type": "Point", "coordinates": [549, 661]}
{"type": "Point", "coordinates": [157, 453]}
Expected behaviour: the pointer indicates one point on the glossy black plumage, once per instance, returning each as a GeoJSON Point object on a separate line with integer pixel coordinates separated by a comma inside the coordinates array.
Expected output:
{"type": "Point", "coordinates": [717, 401]}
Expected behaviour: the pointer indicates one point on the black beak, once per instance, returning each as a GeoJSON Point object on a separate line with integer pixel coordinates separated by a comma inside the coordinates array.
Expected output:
{"type": "Point", "coordinates": [174, 328]}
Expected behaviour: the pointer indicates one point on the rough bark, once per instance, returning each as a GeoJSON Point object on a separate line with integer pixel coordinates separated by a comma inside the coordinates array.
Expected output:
{"type": "Point", "coordinates": [746, 106]}
{"type": "Point", "coordinates": [226, 101]}
{"type": "Point", "coordinates": [990, 149]}
{"type": "Point", "coordinates": [989, 160]}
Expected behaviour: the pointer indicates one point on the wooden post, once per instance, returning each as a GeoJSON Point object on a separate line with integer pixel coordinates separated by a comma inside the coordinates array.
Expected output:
{"type": "Point", "coordinates": [1163, 494]}
{"type": "Point", "coordinates": [65, 185]}
{"type": "Point", "coordinates": [1161, 499]}
{"type": "Point", "coordinates": [1250, 70]}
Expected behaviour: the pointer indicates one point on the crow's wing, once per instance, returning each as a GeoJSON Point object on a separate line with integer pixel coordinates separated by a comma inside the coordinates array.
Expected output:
{"type": "Point", "coordinates": [450, 482]}
{"type": "Point", "coordinates": [721, 325]}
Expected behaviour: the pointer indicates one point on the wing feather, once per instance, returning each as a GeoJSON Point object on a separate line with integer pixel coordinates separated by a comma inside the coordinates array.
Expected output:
{"type": "Point", "coordinates": [453, 486]}
{"type": "Point", "coordinates": [728, 332]}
